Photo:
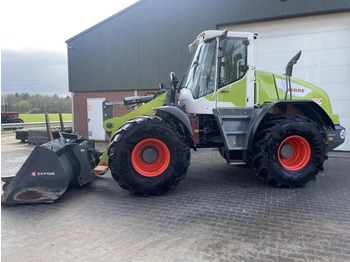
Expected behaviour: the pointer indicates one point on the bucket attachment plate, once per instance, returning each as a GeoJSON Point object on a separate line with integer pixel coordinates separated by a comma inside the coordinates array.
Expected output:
{"type": "Point", "coordinates": [50, 169]}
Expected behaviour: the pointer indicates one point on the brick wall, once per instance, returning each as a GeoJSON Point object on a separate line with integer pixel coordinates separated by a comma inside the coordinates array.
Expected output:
{"type": "Point", "coordinates": [80, 106]}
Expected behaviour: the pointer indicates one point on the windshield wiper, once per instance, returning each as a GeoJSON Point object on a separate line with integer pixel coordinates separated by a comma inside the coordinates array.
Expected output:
{"type": "Point", "coordinates": [195, 63]}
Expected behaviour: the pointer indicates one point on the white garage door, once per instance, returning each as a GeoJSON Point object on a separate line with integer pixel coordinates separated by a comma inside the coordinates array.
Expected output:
{"type": "Point", "coordinates": [325, 60]}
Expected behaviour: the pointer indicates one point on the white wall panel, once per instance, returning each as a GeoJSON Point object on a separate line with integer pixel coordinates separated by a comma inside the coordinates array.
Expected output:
{"type": "Point", "coordinates": [325, 61]}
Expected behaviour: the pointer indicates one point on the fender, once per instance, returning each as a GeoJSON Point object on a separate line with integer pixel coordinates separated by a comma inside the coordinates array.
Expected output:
{"type": "Point", "coordinates": [179, 116]}
{"type": "Point", "coordinates": [307, 108]}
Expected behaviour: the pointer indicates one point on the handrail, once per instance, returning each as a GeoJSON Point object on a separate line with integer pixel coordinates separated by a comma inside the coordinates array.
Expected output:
{"type": "Point", "coordinates": [21, 125]}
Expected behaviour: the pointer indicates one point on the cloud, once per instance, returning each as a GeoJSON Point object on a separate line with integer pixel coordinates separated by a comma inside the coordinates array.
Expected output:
{"type": "Point", "coordinates": [47, 24]}
{"type": "Point", "coordinates": [34, 71]}
{"type": "Point", "coordinates": [32, 38]}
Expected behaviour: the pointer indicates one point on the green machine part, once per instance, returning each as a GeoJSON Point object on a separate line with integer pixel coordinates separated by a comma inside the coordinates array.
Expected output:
{"type": "Point", "coordinates": [236, 93]}
{"type": "Point", "coordinates": [113, 124]}
{"type": "Point", "coordinates": [271, 87]}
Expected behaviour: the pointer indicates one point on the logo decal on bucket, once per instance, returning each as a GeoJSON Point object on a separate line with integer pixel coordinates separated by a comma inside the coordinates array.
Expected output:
{"type": "Point", "coordinates": [33, 173]}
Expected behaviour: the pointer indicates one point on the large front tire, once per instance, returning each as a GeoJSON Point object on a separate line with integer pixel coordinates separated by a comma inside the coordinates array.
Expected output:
{"type": "Point", "coordinates": [149, 155]}
{"type": "Point", "coordinates": [289, 151]}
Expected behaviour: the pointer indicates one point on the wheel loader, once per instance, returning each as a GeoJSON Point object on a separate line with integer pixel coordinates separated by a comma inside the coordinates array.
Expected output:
{"type": "Point", "coordinates": [280, 126]}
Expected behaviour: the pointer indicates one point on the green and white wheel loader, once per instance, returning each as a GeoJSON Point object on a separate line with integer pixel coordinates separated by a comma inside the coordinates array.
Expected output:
{"type": "Point", "coordinates": [281, 126]}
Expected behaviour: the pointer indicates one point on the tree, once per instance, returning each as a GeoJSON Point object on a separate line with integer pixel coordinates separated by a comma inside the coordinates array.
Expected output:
{"type": "Point", "coordinates": [23, 106]}
{"type": "Point", "coordinates": [25, 102]}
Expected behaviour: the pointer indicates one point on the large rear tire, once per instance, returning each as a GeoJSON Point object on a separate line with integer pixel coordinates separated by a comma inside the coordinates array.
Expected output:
{"type": "Point", "coordinates": [289, 151]}
{"type": "Point", "coordinates": [149, 155]}
{"type": "Point", "coordinates": [18, 120]}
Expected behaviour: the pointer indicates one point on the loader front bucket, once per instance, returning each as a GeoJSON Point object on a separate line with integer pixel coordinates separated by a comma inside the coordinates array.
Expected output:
{"type": "Point", "coordinates": [50, 169]}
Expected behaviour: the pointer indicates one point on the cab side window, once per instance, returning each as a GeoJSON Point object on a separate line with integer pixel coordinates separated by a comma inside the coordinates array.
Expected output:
{"type": "Point", "coordinates": [233, 65]}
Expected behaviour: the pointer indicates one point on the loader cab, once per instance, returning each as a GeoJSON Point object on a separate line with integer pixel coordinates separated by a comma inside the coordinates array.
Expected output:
{"type": "Point", "coordinates": [215, 80]}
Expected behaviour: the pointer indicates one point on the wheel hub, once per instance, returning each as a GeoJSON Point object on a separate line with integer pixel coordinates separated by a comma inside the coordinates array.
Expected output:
{"type": "Point", "coordinates": [294, 153]}
{"type": "Point", "coordinates": [149, 155]}
{"type": "Point", "coordinates": [287, 150]}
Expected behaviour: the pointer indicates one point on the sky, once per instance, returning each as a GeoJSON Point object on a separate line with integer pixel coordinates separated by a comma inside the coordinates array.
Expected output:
{"type": "Point", "coordinates": [32, 40]}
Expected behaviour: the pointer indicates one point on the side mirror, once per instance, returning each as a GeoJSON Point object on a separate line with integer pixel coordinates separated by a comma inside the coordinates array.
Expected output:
{"type": "Point", "coordinates": [222, 44]}
{"type": "Point", "coordinates": [192, 46]}
{"type": "Point", "coordinates": [172, 76]}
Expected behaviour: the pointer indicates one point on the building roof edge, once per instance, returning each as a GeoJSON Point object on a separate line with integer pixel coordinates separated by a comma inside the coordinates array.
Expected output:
{"type": "Point", "coordinates": [105, 20]}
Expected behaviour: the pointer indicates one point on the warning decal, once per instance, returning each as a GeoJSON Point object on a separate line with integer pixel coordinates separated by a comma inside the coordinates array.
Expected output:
{"type": "Point", "coordinates": [100, 168]}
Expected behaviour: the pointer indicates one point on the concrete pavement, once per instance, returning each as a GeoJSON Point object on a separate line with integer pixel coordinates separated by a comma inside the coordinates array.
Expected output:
{"type": "Point", "coordinates": [218, 213]}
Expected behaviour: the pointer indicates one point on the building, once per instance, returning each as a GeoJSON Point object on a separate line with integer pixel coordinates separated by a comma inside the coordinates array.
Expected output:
{"type": "Point", "coordinates": [135, 49]}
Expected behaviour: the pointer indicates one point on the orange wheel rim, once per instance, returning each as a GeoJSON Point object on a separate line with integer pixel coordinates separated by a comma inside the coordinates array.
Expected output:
{"type": "Point", "coordinates": [150, 157]}
{"type": "Point", "coordinates": [294, 153]}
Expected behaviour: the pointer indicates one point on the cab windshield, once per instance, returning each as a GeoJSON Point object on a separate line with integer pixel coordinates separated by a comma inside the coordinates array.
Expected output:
{"type": "Point", "coordinates": [200, 78]}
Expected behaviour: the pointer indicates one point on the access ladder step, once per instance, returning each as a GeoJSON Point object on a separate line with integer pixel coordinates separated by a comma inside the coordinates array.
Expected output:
{"type": "Point", "coordinates": [237, 162]}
